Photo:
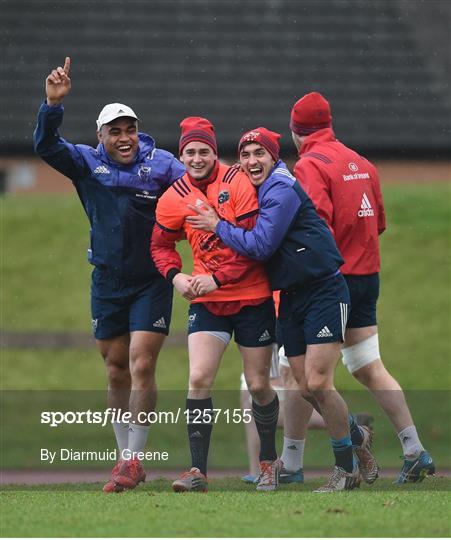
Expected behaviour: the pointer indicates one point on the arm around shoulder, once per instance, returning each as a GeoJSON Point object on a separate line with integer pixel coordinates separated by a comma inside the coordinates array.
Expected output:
{"type": "Point", "coordinates": [278, 206]}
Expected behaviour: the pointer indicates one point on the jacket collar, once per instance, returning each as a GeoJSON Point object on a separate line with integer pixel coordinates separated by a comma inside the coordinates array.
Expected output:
{"type": "Point", "coordinates": [320, 136]}
{"type": "Point", "coordinates": [277, 165]}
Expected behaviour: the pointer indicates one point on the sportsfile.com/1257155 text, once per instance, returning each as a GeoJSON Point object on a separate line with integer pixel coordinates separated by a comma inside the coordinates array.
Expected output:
{"type": "Point", "coordinates": [109, 415]}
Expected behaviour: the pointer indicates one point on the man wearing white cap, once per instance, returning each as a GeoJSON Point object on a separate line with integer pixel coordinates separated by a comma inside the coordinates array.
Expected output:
{"type": "Point", "coordinates": [119, 184]}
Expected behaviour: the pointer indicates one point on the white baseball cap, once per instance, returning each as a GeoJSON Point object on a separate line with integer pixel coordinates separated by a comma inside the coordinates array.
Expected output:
{"type": "Point", "coordinates": [112, 111]}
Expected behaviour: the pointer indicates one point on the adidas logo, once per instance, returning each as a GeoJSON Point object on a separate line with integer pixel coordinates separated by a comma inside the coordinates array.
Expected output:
{"type": "Point", "coordinates": [101, 169]}
{"type": "Point", "coordinates": [196, 435]}
{"type": "Point", "coordinates": [161, 323]}
{"type": "Point", "coordinates": [265, 336]}
{"type": "Point", "coordinates": [292, 447]}
{"type": "Point", "coordinates": [365, 207]}
{"type": "Point", "coordinates": [324, 332]}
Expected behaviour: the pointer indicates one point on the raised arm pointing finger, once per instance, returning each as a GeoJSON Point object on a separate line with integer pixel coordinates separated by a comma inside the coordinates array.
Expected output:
{"type": "Point", "coordinates": [67, 65]}
{"type": "Point", "coordinates": [58, 83]}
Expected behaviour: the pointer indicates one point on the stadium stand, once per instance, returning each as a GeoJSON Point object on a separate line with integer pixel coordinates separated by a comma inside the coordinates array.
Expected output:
{"type": "Point", "coordinates": [238, 63]}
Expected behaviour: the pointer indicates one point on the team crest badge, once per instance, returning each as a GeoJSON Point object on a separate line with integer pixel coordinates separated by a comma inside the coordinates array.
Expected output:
{"type": "Point", "coordinates": [144, 173]}
{"type": "Point", "coordinates": [223, 197]}
{"type": "Point", "coordinates": [251, 136]}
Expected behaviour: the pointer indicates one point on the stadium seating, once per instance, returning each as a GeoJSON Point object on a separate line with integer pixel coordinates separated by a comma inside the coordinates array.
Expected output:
{"type": "Point", "coordinates": [241, 64]}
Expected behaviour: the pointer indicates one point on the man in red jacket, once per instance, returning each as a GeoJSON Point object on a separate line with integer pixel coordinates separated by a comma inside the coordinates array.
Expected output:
{"type": "Point", "coordinates": [344, 187]}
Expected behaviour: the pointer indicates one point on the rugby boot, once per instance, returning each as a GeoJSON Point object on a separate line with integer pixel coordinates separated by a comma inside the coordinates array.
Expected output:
{"type": "Point", "coordinates": [269, 475]}
{"type": "Point", "coordinates": [111, 486]}
{"type": "Point", "coordinates": [340, 480]}
{"type": "Point", "coordinates": [368, 467]}
{"type": "Point", "coordinates": [129, 474]}
{"type": "Point", "coordinates": [290, 477]}
{"type": "Point", "coordinates": [416, 469]}
{"type": "Point", "coordinates": [364, 419]}
{"type": "Point", "coordinates": [249, 478]}
{"type": "Point", "coordinates": [193, 480]}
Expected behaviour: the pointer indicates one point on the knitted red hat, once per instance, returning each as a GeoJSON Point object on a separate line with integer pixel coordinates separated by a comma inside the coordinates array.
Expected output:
{"type": "Point", "coordinates": [309, 114]}
{"type": "Point", "coordinates": [268, 139]}
{"type": "Point", "coordinates": [195, 128]}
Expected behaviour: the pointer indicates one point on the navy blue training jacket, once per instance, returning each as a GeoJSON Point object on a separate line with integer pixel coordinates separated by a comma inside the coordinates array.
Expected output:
{"type": "Point", "coordinates": [119, 200]}
{"type": "Point", "coordinates": [289, 234]}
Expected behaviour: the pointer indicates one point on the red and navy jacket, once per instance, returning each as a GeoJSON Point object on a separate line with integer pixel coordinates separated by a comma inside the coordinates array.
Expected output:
{"type": "Point", "coordinates": [345, 189]}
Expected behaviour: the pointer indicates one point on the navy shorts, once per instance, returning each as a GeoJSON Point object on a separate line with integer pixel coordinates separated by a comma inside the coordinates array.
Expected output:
{"type": "Point", "coordinates": [252, 326]}
{"type": "Point", "coordinates": [314, 314]}
{"type": "Point", "coordinates": [118, 309]}
{"type": "Point", "coordinates": [364, 292]}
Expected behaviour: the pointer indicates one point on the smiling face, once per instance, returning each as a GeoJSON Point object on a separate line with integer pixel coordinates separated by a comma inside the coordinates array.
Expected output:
{"type": "Point", "coordinates": [256, 162]}
{"type": "Point", "coordinates": [199, 159]}
{"type": "Point", "coordinates": [120, 139]}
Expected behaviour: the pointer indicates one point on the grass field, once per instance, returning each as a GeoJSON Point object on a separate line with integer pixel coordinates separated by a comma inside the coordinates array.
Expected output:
{"type": "Point", "coordinates": [231, 508]}
{"type": "Point", "coordinates": [45, 283]}
{"type": "Point", "coordinates": [46, 276]}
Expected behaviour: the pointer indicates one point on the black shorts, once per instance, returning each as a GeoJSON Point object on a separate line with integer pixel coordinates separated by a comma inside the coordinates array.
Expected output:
{"type": "Point", "coordinates": [252, 326]}
{"type": "Point", "coordinates": [118, 309]}
{"type": "Point", "coordinates": [364, 292]}
{"type": "Point", "coordinates": [313, 314]}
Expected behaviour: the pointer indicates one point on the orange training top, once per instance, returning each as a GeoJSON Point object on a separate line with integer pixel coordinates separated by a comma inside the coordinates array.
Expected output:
{"type": "Point", "coordinates": [235, 200]}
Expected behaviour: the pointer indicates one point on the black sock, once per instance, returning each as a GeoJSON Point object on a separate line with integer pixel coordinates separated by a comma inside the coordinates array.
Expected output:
{"type": "Point", "coordinates": [199, 431]}
{"type": "Point", "coordinates": [265, 417]}
{"type": "Point", "coordinates": [355, 431]}
{"type": "Point", "coordinates": [344, 456]}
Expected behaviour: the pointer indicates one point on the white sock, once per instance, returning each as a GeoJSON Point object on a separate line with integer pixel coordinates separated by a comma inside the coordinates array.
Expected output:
{"type": "Point", "coordinates": [293, 454]}
{"type": "Point", "coordinates": [410, 442]}
{"type": "Point", "coordinates": [137, 437]}
{"type": "Point", "coordinates": [121, 432]}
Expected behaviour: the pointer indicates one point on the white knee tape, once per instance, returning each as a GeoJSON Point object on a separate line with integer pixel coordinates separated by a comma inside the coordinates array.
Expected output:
{"type": "Point", "coordinates": [283, 360]}
{"type": "Point", "coordinates": [279, 389]}
{"type": "Point", "coordinates": [225, 337]}
{"type": "Point", "coordinates": [361, 354]}
{"type": "Point", "coordinates": [274, 370]}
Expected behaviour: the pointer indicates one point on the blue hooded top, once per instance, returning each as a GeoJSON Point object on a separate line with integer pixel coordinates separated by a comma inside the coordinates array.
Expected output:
{"type": "Point", "coordinates": [119, 200]}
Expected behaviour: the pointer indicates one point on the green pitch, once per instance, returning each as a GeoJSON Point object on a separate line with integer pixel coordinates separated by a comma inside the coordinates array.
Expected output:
{"type": "Point", "coordinates": [45, 287]}
{"type": "Point", "coordinates": [46, 275]}
{"type": "Point", "coordinates": [231, 508]}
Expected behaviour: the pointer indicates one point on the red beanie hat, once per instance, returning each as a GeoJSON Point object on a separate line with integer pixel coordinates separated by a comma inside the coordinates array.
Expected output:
{"type": "Point", "coordinates": [309, 114]}
{"type": "Point", "coordinates": [268, 139]}
{"type": "Point", "coordinates": [195, 128]}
